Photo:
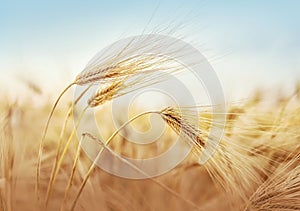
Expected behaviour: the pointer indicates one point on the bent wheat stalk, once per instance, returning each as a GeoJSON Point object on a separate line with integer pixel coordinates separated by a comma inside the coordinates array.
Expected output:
{"type": "Point", "coordinates": [125, 71]}
{"type": "Point", "coordinates": [56, 162]}
{"type": "Point", "coordinates": [97, 99]}
{"type": "Point", "coordinates": [60, 142]}
{"type": "Point", "coordinates": [69, 185]}
{"type": "Point", "coordinates": [104, 146]}
{"type": "Point", "coordinates": [100, 97]}
{"type": "Point", "coordinates": [59, 163]}
{"type": "Point", "coordinates": [91, 168]}
{"type": "Point", "coordinates": [40, 152]}
{"type": "Point", "coordinates": [138, 72]}
{"type": "Point", "coordinates": [172, 117]}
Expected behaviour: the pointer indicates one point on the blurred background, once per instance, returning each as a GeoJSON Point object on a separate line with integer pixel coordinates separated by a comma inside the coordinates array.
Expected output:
{"type": "Point", "coordinates": [249, 44]}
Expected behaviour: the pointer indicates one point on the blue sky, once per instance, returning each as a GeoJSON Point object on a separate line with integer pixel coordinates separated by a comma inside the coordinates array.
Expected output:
{"type": "Point", "coordinates": [53, 41]}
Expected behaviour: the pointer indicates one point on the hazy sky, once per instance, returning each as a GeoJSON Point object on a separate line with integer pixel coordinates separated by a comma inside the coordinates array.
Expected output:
{"type": "Point", "coordinates": [258, 41]}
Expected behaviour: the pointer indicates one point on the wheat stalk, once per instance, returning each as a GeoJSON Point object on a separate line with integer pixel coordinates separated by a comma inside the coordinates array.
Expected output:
{"type": "Point", "coordinates": [69, 185]}
{"type": "Point", "coordinates": [91, 168]}
{"type": "Point", "coordinates": [59, 163]}
{"type": "Point", "coordinates": [142, 71]}
{"type": "Point", "coordinates": [104, 146]}
{"type": "Point", "coordinates": [249, 154]}
{"type": "Point", "coordinates": [40, 151]}
{"type": "Point", "coordinates": [60, 142]}
{"type": "Point", "coordinates": [172, 117]}
{"type": "Point", "coordinates": [103, 95]}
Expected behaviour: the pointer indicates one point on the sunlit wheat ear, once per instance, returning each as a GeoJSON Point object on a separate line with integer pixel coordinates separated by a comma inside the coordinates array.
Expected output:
{"type": "Point", "coordinates": [105, 94]}
{"type": "Point", "coordinates": [137, 72]}
{"type": "Point", "coordinates": [97, 74]}
{"type": "Point", "coordinates": [175, 119]}
{"type": "Point", "coordinates": [89, 77]}
{"type": "Point", "coordinates": [100, 97]}
{"type": "Point", "coordinates": [126, 84]}
{"type": "Point", "coordinates": [122, 68]}
{"type": "Point", "coordinates": [281, 191]}
{"type": "Point", "coordinates": [123, 76]}
{"type": "Point", "coordinates": [240, 164]}
{"type": "Point", "coordinates": [234, 170]}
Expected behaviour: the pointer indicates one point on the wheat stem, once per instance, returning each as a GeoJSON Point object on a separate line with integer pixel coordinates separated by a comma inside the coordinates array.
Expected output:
{"type": "Point", "coordinates": [70, 182]}
{"type": "Point", "coordinates": [61, 138]}
{"type": "Point", "coordinates": [59, 149]}
{"type": "Point", "coordinates": [50, 186]}
{"type": "Point", "coordinates": [91, 168]}
{"type": "Point", "coordinates": [134, 167]}
{"type": "Point", "coordinates": [43, 140]}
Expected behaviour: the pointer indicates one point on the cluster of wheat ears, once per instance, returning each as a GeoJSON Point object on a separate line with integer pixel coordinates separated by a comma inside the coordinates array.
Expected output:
{"type": "Point", "coordinates": [255, 166]}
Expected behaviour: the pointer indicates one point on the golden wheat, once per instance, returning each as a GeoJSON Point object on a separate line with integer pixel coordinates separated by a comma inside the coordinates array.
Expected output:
{"type": "Point", "coordinates": [141, 71]}
{"type": "Point", "coordinates": [249, 164]}
{"type": "Point", "coordinates": [281, 190]}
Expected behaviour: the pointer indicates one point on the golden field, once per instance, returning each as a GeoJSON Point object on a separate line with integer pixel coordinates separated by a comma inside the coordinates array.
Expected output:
{"type": "Point", "coordinates": [256, 167]}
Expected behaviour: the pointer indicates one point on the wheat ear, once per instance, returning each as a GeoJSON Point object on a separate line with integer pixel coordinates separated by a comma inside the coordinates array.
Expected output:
{"type": "Point", "coordinates": [172, 117]}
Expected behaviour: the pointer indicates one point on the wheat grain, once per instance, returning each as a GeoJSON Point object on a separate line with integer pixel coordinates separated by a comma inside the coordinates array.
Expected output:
{"type": "Point", "coordinates": [106, 94]}
{"type": "Point", "coordinates": [181, 125]}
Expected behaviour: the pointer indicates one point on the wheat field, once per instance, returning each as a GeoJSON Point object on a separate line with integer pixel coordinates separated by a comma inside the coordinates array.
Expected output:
{"type": "Point", "coordinates": [255, 168]}
{"type": "Point", "coordinates": [221, 129]}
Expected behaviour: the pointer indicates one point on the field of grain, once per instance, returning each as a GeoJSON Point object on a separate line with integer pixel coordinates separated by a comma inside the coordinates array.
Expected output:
{"type": "Point", "coordinates": [255, 168]}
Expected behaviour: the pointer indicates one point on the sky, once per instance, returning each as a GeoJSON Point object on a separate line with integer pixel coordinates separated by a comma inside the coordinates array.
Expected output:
{"type": "Point", "coordinates": [256, 43]}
